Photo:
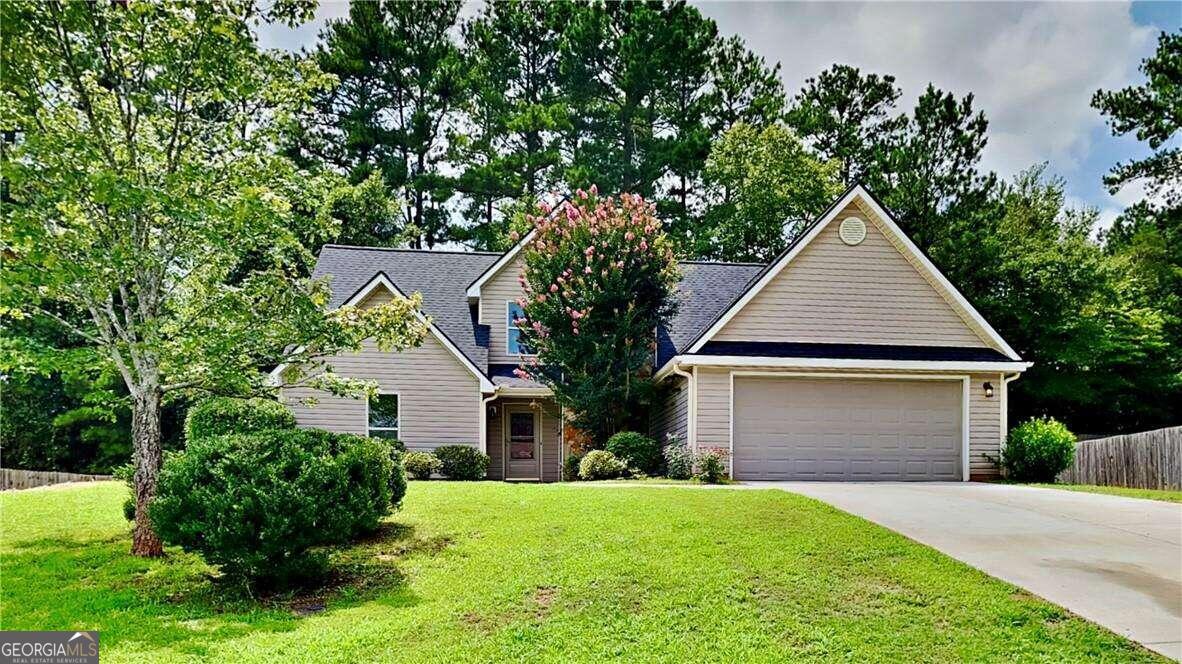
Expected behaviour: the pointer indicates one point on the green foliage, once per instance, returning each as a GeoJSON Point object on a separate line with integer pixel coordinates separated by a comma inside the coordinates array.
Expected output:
{"type": "Point", "coordinates": [400, 82]}
{"type": "Point", "coordinates": [217, 416]}
{"type": "Point", "coordinates": [397, 477]}
{"type": "Point", "coordinates": [421, 465]}
{"type": "Point", "coordinates": [601, 465]}
{"type": "Point", "coordinates": [679, 460]}
{"type": "Point", "coordinates": [570, 466]}
{"type": "Point", "coordinates": [1153, 111]}
{"type": "Point", "coordinates": [766, 177]}
{"type": "Point", "coordinates": [636, 450]}
{"type": "Point", "coordinates": [145, 193]}
{"type": "Point", "coordinates": [1037, 450]}
{"type": "Point", "coordinates": [257, 505]}
{"type": "Point", "coordinates": [597, 280]}
{"type": "Point", "coordinates": [850, 118]}
{"type": "Point", "coordinates": [462, 462]}
{"type": "Point", "coordinates": [710, 465]}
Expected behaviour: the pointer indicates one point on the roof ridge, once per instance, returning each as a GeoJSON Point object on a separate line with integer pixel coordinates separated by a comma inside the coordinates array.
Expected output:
{"type": "Point", "coordinates": [410, 251]}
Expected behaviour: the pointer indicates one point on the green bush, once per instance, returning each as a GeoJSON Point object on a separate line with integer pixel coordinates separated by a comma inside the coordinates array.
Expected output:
{"type": "Point", "coordinates": [217, 416]}
{"type": "Point", "coordinates": [711, 465]}
{"type": "Point", "coordinates": [601, 465]}
{"type": "Point", "coordinates": [261, 505]}
{"type": "Point", "coordinates": [679, 461]}
{"type": "Point", "coordinates": [397, 478]}
{"type": "Point", "coordinates": [461, 462]}
{"type": "Point", "coordinates": [421, 465]}
{"type": "Point", "coordinates": [570, 466]}
{"type": "Point", "coordinates": [1038, 450]}
{"type": "Point", "coordinates": [637, 450]}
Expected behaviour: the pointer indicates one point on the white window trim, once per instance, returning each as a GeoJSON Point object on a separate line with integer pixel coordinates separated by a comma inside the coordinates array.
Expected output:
{"type": "Point", "coordinates": [509, 326]}
{"type": "Point", "coordinates": [965, 381]}
{"type": "Point", "coordinates": [398, 428]}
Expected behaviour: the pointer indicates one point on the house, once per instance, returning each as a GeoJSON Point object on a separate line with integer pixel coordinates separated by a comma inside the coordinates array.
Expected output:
{"type": "Point", "coordinates": [849, 357]}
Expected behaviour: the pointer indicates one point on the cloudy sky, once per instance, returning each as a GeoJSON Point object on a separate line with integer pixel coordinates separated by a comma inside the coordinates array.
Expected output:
{"type": "Point", "coordinates": [1032, 66]}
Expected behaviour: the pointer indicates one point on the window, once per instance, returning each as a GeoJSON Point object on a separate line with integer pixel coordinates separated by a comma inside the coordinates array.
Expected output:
{"type": "Point", "coordinates": [383, 416]}
{"type": "Point", "coordinates": [515, 345]}
{"type": "Point", "coordinates": [521, 435]}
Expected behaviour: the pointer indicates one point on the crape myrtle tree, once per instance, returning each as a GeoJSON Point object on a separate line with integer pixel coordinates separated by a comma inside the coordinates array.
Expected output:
{"type": "Point", "coordinates": [140, 176]}
{"type": "Point", "coordinates": [598, 277]}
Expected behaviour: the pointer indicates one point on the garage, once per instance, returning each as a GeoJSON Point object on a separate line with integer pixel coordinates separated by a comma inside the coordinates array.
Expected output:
{"type": "Point", "coordinates": [847, 429]}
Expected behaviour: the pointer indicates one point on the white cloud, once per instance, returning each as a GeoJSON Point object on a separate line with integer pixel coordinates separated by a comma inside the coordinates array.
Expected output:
{"type": "Point", "coordinates": [1031, 67]}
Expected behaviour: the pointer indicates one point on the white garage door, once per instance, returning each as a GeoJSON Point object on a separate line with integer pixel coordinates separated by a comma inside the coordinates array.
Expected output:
{"type": "Point", "coordinates": [846, 429]}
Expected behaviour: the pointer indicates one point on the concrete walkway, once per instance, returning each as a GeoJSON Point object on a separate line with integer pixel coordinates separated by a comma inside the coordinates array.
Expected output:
{"type": "Point", "coordinates": [1115, 561]}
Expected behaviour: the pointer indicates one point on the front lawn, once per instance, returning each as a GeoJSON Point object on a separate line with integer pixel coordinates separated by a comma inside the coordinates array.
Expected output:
{"type": "Point", "coordinates": [492, 572]}
{"type": "Point", "coordinates": [1165, 495]}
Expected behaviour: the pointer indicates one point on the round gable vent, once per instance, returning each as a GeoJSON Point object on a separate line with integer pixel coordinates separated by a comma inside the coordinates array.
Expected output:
{"type": "Point", "coordinates": [852, 231]}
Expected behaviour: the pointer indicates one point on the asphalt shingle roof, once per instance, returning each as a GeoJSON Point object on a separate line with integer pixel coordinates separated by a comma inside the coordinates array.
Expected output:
{"type": "Point", "coordinates": [443, 278]}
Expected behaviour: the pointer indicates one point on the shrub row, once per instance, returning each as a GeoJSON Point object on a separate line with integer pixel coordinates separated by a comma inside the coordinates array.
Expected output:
{"type": "Point", "coordinates": [456, 462]}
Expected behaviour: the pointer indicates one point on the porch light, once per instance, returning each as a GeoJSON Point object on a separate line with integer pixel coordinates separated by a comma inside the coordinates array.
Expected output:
{"type": "Point", "coordinates": [988, 390]}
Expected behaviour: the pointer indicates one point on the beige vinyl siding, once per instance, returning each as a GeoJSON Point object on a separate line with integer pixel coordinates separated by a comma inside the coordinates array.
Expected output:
{"type": "Point", "coordinates": [494, 294]}
{"type": "Point", "coordinates": [670, 414]}
{"type": "Point", "coordinates": [439, 398]}
{"type": "Point", "coordinates": [551, 429]}
{"type": "Point", "coordinates": [835, 293]}
{"type": "Point", "coordinates": [714, 408]}
{"type": "Point", "coordinates": [985, 437]}
{"type": "Point", "coordinates": [984, 426]}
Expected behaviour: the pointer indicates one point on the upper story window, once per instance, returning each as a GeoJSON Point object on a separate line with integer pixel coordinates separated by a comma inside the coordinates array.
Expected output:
{"type": "Point", "coordinates": [383, 416]}
{"type": "Point", "coordinates": [513, 333]}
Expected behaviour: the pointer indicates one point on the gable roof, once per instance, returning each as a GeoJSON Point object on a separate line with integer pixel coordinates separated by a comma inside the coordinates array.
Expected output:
{"type": "Point", "coordinates": [891, 228]}
{"type": "Point", "coordinates": [704, 291]}
{"type": "Point", "coordinates": [440, 276]}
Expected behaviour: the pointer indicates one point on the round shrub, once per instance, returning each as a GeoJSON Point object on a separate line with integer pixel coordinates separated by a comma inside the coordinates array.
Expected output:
{"type": "Point", "coordinates": [637, 450]}
{"type": "Point", "coordinates": [421, 465]}
{"type": "Point", "coordinates": [216, 416]}
{"type": "Point", "coordinates": [1037, 450]}
{"type": "Point", "coordinates": [461, 462]}
{"type": "Point", "coordinates": [257, 504]}
{"type": "Point", "coordinates": [397, 478]}
{"type": "Point", "coordinates": [601, 465]}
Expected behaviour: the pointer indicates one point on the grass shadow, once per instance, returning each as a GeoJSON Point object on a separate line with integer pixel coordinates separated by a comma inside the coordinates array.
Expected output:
{"type": "Point", "coordinates": [183, 604]}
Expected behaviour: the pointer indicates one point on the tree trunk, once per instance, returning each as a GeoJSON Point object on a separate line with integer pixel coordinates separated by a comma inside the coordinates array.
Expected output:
{"type": "Point", "coordinates": [148, 455]}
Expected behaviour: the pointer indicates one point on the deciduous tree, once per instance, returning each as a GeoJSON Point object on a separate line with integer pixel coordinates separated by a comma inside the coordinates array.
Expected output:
{"type": "Point", "coordinates": [142, 174]}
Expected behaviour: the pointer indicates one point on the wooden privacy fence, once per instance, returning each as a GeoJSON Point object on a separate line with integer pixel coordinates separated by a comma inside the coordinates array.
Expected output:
{"type": "Point", "coordinates": [12, 478]}
{"type": "Point", "coordinates": [1145, 460]}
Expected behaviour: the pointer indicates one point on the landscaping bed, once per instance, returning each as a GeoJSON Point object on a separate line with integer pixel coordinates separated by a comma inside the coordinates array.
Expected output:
{"type": "Point", "coordinates": [492, 571]}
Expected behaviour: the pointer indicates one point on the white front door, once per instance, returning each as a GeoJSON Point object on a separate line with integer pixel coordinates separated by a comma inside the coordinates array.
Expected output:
{"type": "Point", "coordinates": [523, 449]}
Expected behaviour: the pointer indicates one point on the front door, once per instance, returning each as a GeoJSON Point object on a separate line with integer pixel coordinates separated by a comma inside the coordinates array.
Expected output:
{"type": "Point", "coordinates": [523, 450]}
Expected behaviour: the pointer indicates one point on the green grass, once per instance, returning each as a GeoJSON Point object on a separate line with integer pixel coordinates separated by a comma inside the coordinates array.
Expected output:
{"type": "Point", "coordinates": [1165, 495]}
{"type": "Point", "coordinates": [495, 572]}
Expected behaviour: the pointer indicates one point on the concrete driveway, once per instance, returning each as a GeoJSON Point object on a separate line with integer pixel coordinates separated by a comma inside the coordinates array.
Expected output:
{"type": "Point", "coordinates": [1115, 561]}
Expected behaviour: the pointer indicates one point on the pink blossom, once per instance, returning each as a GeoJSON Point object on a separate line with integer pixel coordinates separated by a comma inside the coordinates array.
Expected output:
{"type": "Point", "coordinates": [519, 373]}
{"type": "Point", "coordinates": [594, 190]}
{"type": "Point", "coordinates": [590, 250]}
{"type": "Point", "coordinates": [553, 288]}
{"type": "Point", "coordinates": [629, 236]}
{"type": "Point", "coordinates": [514, 236]}
{"type": "Point", "coordinates": [644, 245]}
{"type": "Point", "coordinates": [541, 298]}
{"type": "Point", "coordinates": [580, 193]}
{"type": "Point", "coordinates": [587, 270]}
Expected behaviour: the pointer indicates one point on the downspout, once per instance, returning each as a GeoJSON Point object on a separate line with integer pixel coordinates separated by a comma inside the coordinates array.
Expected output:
{"type": "Point", "coordinates": [1005, 406]}
{"type": "Point", "coordinates": [484, 420]}
{"type": "Point", "coordinates": [691, 426]}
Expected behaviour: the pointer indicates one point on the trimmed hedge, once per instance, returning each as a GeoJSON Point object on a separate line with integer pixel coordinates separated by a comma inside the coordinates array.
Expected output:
{"type": "Point", "coordinates": [257, 504]}
{"type": "Point", "coordinates": [1037, 450]}
{"type": "Point", "coordinates": [217, 416]}
{"type": "Point", "coordinates": [421, 465]}
{"type": "Point", "coordinates": [462, 462]}
{"type": "Point", "coordinates": [637, 450]}
{"type": "Point", "coordinates": [601, 465]}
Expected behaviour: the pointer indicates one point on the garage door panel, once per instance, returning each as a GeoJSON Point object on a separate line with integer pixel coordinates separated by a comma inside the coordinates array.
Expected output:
{"type": "Point", "coordinates": [843, 429]}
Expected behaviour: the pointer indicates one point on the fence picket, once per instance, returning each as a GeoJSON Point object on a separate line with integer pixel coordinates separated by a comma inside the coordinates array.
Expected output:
{"type": "Point", "coordinates": [1144, 460]}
